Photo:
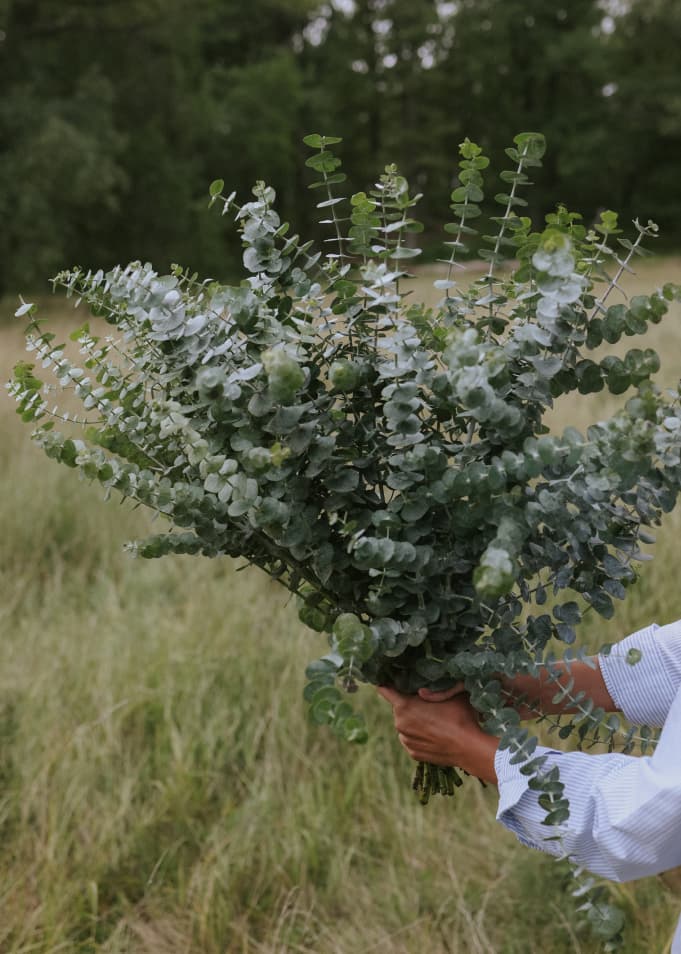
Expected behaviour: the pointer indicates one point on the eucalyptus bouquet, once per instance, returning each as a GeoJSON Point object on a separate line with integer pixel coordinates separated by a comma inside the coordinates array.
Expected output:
{"type": "Point", "coordinates": [387, 462]}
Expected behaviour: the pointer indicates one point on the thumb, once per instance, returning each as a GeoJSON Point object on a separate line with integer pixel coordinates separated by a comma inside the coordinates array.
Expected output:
{"type": "Point", "coordinates": [390, 695]}
{"type": "Point", "coordinates": [442, 696]}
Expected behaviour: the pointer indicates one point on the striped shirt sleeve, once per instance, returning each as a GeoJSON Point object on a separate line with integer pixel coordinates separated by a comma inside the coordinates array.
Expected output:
{"type": "Point", "coordinates": [644, 691]}
{"type": "Point", "coordinates": [625, 812]}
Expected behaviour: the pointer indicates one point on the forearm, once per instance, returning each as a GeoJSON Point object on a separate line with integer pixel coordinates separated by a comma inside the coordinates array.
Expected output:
{"type": "Point", "coordinates": [642, 690]}
{"type": "Point", "coordinates": [538, 692]}
{"type": "Point", "coordinates": [478, 758]}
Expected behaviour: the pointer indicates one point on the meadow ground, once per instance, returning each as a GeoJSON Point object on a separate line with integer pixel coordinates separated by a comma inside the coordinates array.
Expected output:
{"type": "Point", "coordinates": [162, 793]}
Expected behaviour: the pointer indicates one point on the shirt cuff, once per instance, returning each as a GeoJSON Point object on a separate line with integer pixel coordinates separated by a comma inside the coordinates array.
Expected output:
{"type": "Point", "coordinates": [512, 786]}
{"type": "Point", "coordinates": [512, 783]}
{"type": "Point", "coordinates": [642, 690]}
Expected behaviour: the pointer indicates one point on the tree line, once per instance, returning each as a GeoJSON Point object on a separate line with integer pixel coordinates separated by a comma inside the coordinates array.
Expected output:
{"type": "Point", "coordinates": [116, 114]}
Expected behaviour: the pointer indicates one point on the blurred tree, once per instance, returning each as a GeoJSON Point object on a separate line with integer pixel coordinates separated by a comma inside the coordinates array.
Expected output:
{"type": "Point", "coordinates": [117, 113]}
{"type": "Point", "coordinates": [61, 165]}
{"type": "Point", "coordinates": [644, 126]}
{"type": "Point", "coordinates": [74, 128]}
{"type": "Point", "coordinates": [371, 77]}
{"type": "Point", "coordinates": [526, 64]}
{"type": "Point", "coordinates": [247, 109]}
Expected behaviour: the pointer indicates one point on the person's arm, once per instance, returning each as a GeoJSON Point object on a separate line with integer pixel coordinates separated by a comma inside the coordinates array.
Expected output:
{"type": "Point", "coordinates": [540, 691]}
{"type": "Point", "coordinates": [625, 812]}
{"type": "Point", "coordinates": [533, 696]}
{"type": "Point", "coordinates": [643, 691]}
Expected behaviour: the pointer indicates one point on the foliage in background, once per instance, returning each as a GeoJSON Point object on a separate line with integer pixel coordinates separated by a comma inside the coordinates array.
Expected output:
{"type": "Point", "coordinates": [114, 115]}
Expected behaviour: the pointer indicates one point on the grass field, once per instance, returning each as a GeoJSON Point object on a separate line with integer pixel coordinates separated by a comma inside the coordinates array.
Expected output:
{"type": "Point", "coordinates": [162, 793]}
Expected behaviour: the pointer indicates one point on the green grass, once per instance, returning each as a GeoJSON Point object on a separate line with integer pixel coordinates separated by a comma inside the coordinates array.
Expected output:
{"type": "Point", "coordinates": [161, 791]}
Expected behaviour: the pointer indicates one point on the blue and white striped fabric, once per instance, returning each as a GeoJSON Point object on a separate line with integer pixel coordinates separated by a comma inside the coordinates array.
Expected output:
{"type": "Point", "coordinates": [625, 811]}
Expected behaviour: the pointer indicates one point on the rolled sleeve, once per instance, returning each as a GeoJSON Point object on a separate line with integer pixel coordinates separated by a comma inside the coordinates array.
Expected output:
{"type": "Point", "coordinates": [644, 691]}
{"type": "Point", "coordinates": [625, 811]}
{"type": "Point", "coordinates": [518, 809]}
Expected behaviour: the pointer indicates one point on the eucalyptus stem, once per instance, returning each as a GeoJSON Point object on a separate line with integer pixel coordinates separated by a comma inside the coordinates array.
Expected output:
{"type": "Point", "coordinates": [432, 779]}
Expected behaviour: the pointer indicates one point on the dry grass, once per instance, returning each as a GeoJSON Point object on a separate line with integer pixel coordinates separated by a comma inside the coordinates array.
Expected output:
{"type": "Point", "coordinates": [162, 793]}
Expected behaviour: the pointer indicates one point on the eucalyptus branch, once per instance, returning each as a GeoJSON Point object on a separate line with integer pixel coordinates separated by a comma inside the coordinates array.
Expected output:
{"type": "Point", "coordinates": [506, 216]}
{"type": "Point", "coordinates": [389, 464]}
{"type": "Point", "coordinates": [623, 266]}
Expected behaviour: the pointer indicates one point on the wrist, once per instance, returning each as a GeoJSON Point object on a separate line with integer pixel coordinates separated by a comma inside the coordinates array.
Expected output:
{"type": "Point", "coordinates": [476, 755]}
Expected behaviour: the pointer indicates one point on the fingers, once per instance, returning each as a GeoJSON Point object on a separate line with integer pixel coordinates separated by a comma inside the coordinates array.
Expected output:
{"type": "Point", "coordinates": [412, 746]}
{"type": "Point", "coordinates": [439, 734]}
{"type": "Point", "coordinates": [442, 696]}
{"type": "Point", "coordinates": [406, 714]}
{"type": "Point", "coordinates": [405, 742]}
{"type": "Point", "coordinates": [394, 697]}
{"type": "Point", "coordinates": [422, 751]}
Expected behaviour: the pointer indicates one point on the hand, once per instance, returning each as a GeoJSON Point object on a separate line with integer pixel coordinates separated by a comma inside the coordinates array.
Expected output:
{"type": "Point", "coordinates": [443, 734]}
{"type": "Point", "coordinates": [444, 695]}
